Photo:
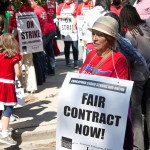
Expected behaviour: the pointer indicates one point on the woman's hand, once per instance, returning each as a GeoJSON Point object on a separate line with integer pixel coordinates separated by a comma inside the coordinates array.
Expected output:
{"type": "Point", "coordinates": [73, 28]}
{"type": "Point", "coordinates": [63, 17]}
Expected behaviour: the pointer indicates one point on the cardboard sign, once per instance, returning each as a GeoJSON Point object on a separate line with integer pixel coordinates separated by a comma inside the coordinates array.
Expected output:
{"type": "Point", "coordinates": [92, 112]}
{"type": "Point", "coordinates": [80, 21]}
{"type": "Point", "coordinates": [66, 26]}
{"type": "Point", "coordinates": [29, 32]}
{"type": "Point", "coordinates": [19, 94]}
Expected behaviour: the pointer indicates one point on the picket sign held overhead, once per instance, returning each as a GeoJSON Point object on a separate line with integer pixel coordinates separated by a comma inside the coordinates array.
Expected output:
{"type": "Point", "coordinates": [66, 26]}
{"type": "Point", "coordinates": [29, 32]}
{"type": "Point", "coordinates": [80, 21]}
{"type": "Point", "coordinates": [19, 94]}
{"type": "Point", "coordinates": [92, 112]}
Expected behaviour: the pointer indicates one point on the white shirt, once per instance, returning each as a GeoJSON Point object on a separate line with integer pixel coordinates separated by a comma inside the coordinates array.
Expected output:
{"type": "Point", "coordinates": [89, 18]}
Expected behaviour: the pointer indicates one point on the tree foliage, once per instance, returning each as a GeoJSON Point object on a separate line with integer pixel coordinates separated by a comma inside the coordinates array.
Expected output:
{"type": "Point", "coordinates": [18, 3]}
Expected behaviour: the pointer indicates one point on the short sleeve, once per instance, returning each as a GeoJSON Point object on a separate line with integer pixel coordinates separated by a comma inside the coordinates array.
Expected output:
{"type": "Point", "coordinates": [16, 58]}
{"type": "Point", "coordinates": [59, 9]}
{"type": "Point", "coordinates": [122, 69]}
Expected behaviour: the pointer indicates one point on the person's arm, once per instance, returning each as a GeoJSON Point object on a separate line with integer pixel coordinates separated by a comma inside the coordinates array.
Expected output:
{"type": "Point", "coordinates": [76, 12]}
{"type": "Point", "coordinates": [14, 31]}
{"type": "Point", "coordinates": [74, 25]}
{"type": "Point", "coordinates": [61, 17]}
{"type": "Point", "coordinates": [18, 73]}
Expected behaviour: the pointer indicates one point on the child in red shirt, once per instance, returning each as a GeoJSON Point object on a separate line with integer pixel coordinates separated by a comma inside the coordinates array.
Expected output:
{"type": "Point", "coordinates": [9, 64]}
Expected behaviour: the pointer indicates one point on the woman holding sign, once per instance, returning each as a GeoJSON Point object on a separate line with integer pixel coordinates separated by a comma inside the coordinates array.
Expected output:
{"type": "Point", "coordinates": [106, 61]}
{"type": "Point", "coordinates": [66, 14]}
{"type": "Point", "coordinates": [30, 76]}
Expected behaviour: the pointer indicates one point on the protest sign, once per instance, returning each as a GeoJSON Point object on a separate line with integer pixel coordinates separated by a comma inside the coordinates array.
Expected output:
{"type": "Point", "coordinates": [66, 26]}
{"type": "Point", "coordinates": [29, 32]}
{"type": "Point", "coordinates": [92, 112]}
{"type": "Point", "coordinates": [80, 21]}
{"type": "Point", "coordinates": [19, 94]}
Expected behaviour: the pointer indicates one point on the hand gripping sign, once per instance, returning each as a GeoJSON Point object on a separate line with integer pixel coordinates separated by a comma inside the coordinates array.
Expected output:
{"type": "Point", "coordinates": [92, 112]}
{"type": "Point", "coordinates": [29, 32]}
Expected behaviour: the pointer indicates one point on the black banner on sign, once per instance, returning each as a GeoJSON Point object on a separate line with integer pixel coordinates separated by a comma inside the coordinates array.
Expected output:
{"type": "Point", "coordinates": [67, 143]}
{"type": "Point", "coordinates": [100, 85]}
{"type": "Point", "coordinates": [26, 17]}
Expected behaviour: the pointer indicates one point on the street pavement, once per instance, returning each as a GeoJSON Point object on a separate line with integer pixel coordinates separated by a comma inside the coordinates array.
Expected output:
{"type": "Point", "coordinates": [35, 129]}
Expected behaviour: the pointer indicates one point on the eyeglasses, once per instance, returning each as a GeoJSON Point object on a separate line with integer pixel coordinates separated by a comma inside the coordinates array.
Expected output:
{"type": "Point", "coordinates": [98, 34]}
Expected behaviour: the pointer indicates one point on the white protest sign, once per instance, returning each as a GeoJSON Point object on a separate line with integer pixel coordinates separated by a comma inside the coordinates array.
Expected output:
{"type": "Point", "coordinates": [66, 26]}
{"type": "Point", "coordinates": [19, 94]}
{"type": "Point", "coordinates": [29, 32]}
{"type": "Point", "coordinates": [92, 112]}
{"type": "Point", "coordinates": [80, 21]}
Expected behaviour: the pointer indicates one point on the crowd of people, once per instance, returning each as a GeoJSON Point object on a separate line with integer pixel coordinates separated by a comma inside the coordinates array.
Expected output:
{"type": "Point", "coordinates": [116, 36]}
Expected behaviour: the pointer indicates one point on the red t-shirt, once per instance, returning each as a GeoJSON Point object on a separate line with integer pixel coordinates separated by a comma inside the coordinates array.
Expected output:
{"type": "Point", "coordinates": [7, 66]}
{"type": "Point", "coordinates": [50, 10]}
{"type": "Point", "coordinates": [12, 21]}
{"type": "Point", "coordinates": [107, 68]}
{"type": "Point", "coordinates": [116, 11]}
{"type": "Point", "coordinates": [83, 8]}
{"type": "Point", "coordinates": [67, 6]}
{"type": "Point", "coordinates": [42, 17]}
{"type": "Point", "coordinates": [7, 71]}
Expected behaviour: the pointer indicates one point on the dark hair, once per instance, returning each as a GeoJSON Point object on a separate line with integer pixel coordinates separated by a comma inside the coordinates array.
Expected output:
{"type": "Point", "coordinates": [125, 2]}
{"type": "Point", "coordinates": [131, 20]}
{"type": "Point", "coordinates": [2, 23]}
{"type": "Point", "coordinates": [116, 17]}
{"type": "Point", "coordinates": [116, 3]}
{"type": "Point", "coordinates": [104, 3]}
{"type": "Point", "coordinates": [27, 2]}
{"type": "Point", "coordinates": [4, 6]}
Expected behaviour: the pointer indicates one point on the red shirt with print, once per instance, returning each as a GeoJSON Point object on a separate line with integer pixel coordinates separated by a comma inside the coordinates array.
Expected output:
{"type": "Point", "coordinates": [50, 10]}
{"type": "Point", "coordinates": [107, 68]}
{"type": "Point", "coordinates": [83, 8]}
{"type": "Point", "coordinates": [42, 17]}
{"type": "Point", "coordinates": [67, 6]}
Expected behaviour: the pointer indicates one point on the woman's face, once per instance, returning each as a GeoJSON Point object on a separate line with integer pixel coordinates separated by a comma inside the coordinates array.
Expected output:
{"type": "Point", "coordinates": [86, 1]}
{"type": "Point", "coordinates": [68, 1]}
{"type": "Point", "coordinates": [99, 41]}
{"type": "Point", "coordinates": [33, 4]}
